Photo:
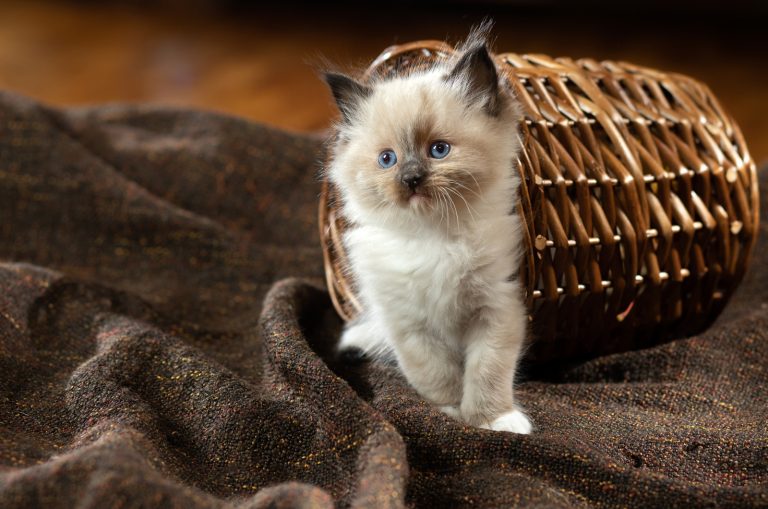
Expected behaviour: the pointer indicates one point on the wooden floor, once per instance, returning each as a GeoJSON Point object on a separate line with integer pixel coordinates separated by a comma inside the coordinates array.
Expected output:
{"type": "Point", "coordinates": [262, 64]}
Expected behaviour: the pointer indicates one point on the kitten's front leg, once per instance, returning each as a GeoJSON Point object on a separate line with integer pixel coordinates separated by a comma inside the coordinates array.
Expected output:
{"type": "Point", "coordinates": [432, 368]}
{"type": "Point", "coordinates": [494, 341]}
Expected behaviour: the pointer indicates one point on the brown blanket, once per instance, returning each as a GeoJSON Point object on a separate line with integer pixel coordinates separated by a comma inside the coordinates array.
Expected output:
{"type": "Point", "coordinates": [139, 368]}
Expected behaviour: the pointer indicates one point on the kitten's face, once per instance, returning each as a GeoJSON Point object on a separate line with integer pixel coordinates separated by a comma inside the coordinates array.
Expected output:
{"type": "Point", "coordinates": [425, 146]}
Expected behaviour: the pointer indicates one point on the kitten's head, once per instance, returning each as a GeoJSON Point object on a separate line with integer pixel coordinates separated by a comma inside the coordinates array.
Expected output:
{"type": "Point", "coordinates": [427, 148]}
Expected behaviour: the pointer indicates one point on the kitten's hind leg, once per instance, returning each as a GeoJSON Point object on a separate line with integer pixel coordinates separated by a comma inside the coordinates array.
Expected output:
{"type": "Point", "coordinates": [363, 338]}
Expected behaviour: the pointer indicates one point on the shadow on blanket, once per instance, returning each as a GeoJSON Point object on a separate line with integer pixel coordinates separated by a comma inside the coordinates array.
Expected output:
{"type": "Point", "coordinates": [139, 368]}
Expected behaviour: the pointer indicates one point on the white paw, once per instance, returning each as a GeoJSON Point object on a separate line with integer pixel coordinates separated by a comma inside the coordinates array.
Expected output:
{"type": "Point", "coordinates": [366, 337]}
{"type": "Point", "coordinates": [356, 336]}
{"type": "Point", "coordinates": [451, 410]}
{"type": "Point", "coordinates": [514, 422]}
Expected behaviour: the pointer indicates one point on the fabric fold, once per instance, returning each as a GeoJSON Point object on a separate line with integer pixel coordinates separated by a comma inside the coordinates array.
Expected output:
{"type": "Point", "coordinates": [166, 341]}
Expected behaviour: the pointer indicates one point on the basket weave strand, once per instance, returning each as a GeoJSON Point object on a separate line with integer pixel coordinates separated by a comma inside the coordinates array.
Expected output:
{"type": "Point", "coordinates": [638, 196]}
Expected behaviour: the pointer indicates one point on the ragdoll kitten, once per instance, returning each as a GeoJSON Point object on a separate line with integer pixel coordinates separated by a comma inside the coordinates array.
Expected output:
{"type": "Point", "coordinates": [426, 168]}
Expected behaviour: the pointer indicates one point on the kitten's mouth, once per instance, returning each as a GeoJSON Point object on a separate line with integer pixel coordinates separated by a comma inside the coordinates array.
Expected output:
{"type": "Point", "coordinates": [418, 198]}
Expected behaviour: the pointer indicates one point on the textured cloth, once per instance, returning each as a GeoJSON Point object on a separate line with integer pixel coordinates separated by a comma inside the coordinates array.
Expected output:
{"type": "Point", "coordinates": [138, 366]}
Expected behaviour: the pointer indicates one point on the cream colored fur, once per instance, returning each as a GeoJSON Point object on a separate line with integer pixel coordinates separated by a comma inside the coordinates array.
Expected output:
{"type": "Point", "coordinates": [437, 273]}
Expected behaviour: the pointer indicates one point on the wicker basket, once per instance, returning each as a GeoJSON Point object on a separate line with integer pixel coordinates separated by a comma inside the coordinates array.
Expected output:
{"type": "Point", "coordinates": [638, 193]}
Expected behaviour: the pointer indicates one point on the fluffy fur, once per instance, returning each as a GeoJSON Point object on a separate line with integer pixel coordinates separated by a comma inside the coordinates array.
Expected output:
{"type": "Point", "coordinates": [436, 263]}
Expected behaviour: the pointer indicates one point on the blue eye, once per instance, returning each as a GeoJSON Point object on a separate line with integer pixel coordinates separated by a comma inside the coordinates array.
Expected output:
{"type": "Point", "coordinates": [387, 159]}
{"type": "Point", "coordinates": [439, 149]}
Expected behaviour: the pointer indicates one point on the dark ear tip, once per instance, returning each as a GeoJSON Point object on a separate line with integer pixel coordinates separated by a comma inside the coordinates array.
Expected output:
{"type": "Point", "coordinates": [346, 91]}
{"type": "Point", "coordinates": [333, 78]}
{"type": "Point", "coordinates": [480, 51]}
{"type": "Point", "coordinates": [338, 81]}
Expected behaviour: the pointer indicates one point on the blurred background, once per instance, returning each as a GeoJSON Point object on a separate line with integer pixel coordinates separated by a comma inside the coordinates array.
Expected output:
{"type": "Point", "coordinates": [261, 62]}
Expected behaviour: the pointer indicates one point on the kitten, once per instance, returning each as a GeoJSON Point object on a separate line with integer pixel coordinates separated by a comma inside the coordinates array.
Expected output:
{"type": "Point", "coordinates": [426, 168]}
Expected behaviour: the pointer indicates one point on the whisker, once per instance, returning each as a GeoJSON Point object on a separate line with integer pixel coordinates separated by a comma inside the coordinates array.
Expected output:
{"type": "Point", "coordinates": [443, 209]}
{"type": "Point", "coordinates": [469, 207]}
{"type": "Point", "coordinates": [459, 184]}
{"type": "Point", "coordinates": [474, 179]}
{"type": "Point", "coordinates": [455, 210]}
{"type": "Point", "coordinates": [443, 206]}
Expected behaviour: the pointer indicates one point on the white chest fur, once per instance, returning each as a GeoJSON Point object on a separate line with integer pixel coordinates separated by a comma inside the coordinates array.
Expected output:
{"type": "Point", "coordinates": [430, 282]}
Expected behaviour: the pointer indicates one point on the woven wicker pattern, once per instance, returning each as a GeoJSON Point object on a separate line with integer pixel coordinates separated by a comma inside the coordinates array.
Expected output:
{"type": "Point", "coordinates": [639, 197]}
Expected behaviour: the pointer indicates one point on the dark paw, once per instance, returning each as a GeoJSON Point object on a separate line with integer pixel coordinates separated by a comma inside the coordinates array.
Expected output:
{"type": "Point", "coordinates": [352, 356]}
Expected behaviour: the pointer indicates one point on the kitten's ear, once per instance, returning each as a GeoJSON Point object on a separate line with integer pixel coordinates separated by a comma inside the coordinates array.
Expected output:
{"type": "Point", "coordinates": [477, 70]}
{"type": "Point", "coordinates": [347, 92]}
